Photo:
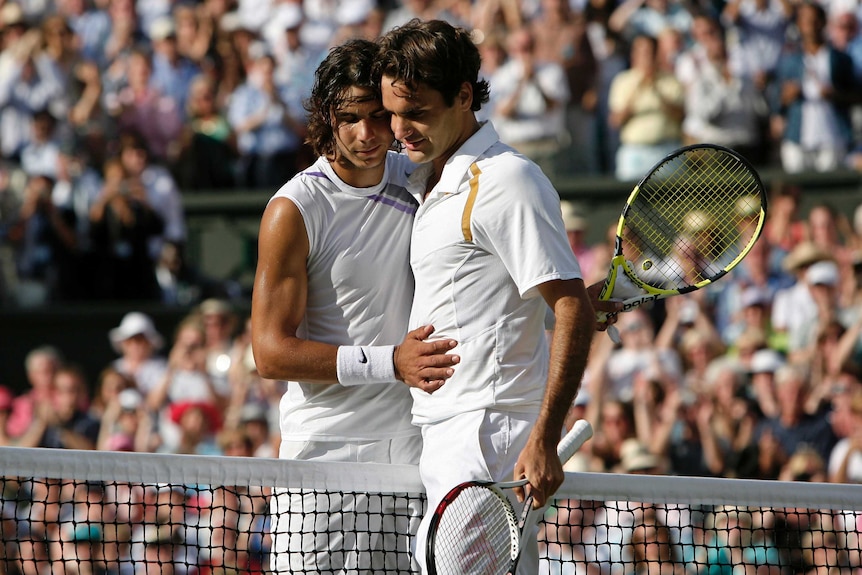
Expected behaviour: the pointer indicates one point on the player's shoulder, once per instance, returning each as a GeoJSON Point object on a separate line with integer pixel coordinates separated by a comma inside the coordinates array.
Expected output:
{"type": "Point", "coordinates": [506, 171]}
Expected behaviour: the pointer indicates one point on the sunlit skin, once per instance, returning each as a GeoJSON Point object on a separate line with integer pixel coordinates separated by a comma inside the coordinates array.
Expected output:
{"type": "Point", "coordinates": [363, 137]}
{"type": "Point", "coordinates": [429, 130]}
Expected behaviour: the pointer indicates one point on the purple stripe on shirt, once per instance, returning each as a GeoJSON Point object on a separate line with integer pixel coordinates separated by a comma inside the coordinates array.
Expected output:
{"type": "Point", "coordinates": [398, 205]}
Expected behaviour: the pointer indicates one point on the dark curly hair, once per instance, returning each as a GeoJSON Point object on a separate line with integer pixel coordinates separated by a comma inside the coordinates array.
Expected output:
{"type": "Point", "coordinates": [435, 53]}
{"type": "Point", "coordinates": [348, 65]}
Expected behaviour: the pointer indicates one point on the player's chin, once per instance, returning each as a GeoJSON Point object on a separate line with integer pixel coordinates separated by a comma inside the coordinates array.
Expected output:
{"type": "Point", "coordinates": [417, 156]}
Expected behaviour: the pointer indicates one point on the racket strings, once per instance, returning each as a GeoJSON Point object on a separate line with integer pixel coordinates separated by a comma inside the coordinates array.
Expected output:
{"type": "Point", "coordinates": [692, 218]}
{"type": "Point", "coordinates": [477, 534]}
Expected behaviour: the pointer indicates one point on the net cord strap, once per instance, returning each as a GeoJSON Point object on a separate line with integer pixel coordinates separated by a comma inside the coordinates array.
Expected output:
{"type": "Point", "coordinates": [159, 468]}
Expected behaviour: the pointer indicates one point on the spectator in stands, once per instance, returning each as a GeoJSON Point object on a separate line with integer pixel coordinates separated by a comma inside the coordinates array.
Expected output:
{"type": "Point", "coordinates": [162, 191]}
{"type": "Point", "coordinates": [256, 421]}
{"type": "Point", "coordinates": [220, 323]}
{"type": "Point", "coordinates": [530, 104]}
{"type": "Point", "coordinates": [181, 283]}
{"type": "Point", "coordinates": [40, 365]}
{"type": "Point", "coordinates": [76, 190]}
{"type": "Point", "coordinates": [123, 224]}
{"type": "Point", "coordinates": [64, 422]}
{"type": "Point", "coordinates": [815, 86]}
{"type": "Point", "coordinates": [746, 540]}
{"type": "Point", "coordinates": [125, 35]}
{"type": "Point", "coordinates": [693, 60]}
{"type": "Point", "coordinates": [577, 226]}
{"type": "Point", "coordinates": [198, 423]}
{"type": "Point", "coordinates": [160, 543]}
{"type": "Point", "coordinates": [40, 156]}
{"type": "Point", "coordinates": [90, 25]}
{"type": "Point", "coordinates": [654, 551]}
{"type": "Point", "coordinates": [760, 26]}
{"type": "Point", "coordinates": [295, 59]}
{"type": "Point", "coordinates": [561, 35]}
{"type": "Point", "coordinates": [832, 233]}
{"type": "Point", "coordinates": [722, 107]}
{"type": "Point", "coordinates": [45, 242]}
{"type": "Point", "coordinates": [845, 459]}
{"type": "Point", "coordinates": [27, 83]}
{"type": "Point", "coordinates": [612, 55]}
{"type": "Point", "coordinates": [764, 364]}
{"type": "Point", "coordinates": [633, 18]}
{"type": "Point", "coordinates": [126, 425]}
{"type": "Point", "coordinates": [269, 132]}
{"type": "Point", "coordinates": [208, 150]}
{"type": "Point", "coordinates": [615, 425]}
{"type": "Point", "coordinates": [805, 464]}
{"type": "Point", "coordinates": [793, 305]}
{"type": "Point", "coordinates": [687, 439]}
{"type": "Point", "coordinates": [186, 380]}
{"type": "Point", "coordinates": [647, 106]}
{"type": "Point", "coordinates": [109, 384]}
{"type": "Point", "coordinates": [80, 549]}
{"type": "Point", "coordinates": [754, 283]}
{"type": "Point", "coordinates": [90, 128]}
{"type": "Point", "coordinates": [843, 33]}
{"type": "Point", "coordinates": [688, 331]}
{"type": "Point", "coordinates": [60, 54]}
{"type": "Point", "coordinates": [138, 343]}
{"type": "Point", "coordinates": [140, 107]}
{"type": "Point", "coordinates": [784, 228]}
{"type": "Point", "coordinates": [821, 279]}
{"type": "Point", "coordinates": [234, 442]}
{"type": "Point", "coordinates": [172, 72]}
{"type": "Point", "coordinates": [734, 417]}
{"type": "Point", "coordinates": [194, 33]}
{"type": "Point", "coordinates": [613, 372]}
{"type": "Point", "coordinates": [792, 427]}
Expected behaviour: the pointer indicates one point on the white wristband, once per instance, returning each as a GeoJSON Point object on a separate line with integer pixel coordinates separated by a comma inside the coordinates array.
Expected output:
{"type": "Point", "coordinates": [360, 365]}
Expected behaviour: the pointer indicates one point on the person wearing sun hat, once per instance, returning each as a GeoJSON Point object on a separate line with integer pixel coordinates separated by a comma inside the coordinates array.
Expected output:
{"type": "Point", "coordinates": [792, 307]}
{"type": "Point", "coordinates": [138, 342]}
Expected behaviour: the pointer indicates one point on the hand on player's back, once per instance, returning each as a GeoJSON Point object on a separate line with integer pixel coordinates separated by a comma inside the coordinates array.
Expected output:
{"type": "Point", "coordinates": [425, 364]}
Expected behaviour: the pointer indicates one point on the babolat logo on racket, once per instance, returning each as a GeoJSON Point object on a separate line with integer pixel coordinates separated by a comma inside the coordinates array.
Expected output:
{"type": "Point", "coordinates": [630, 305]}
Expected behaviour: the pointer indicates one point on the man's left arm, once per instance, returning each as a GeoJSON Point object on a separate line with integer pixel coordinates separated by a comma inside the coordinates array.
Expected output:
{"type": "Point", "coordinates": [573, 334]}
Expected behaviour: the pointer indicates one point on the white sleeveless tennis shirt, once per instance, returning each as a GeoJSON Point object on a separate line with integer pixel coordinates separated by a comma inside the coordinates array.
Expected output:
{"type": "Point", "coordinates": [360, 289]}
{"type": "Point", "coordinates": [489, 233]}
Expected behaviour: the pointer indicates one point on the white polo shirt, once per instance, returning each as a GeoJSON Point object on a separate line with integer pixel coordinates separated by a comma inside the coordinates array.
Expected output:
{"type": "Point", "coordinates": [486, 236]}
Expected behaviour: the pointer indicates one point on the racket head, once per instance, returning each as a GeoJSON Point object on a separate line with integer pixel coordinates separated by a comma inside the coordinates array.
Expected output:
{"type": "Point", "coordinates": [473, 530]}
{"type": "Point", "coordinates": [691, 219]}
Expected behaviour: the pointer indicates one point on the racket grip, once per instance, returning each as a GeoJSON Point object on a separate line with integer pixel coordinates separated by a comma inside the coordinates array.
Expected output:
{"type": "Point", "coordinates": [581, 431]}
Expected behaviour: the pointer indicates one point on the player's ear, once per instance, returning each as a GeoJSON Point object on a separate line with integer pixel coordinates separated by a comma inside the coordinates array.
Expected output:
{"type": "Point", "coordinates": [464, 98]}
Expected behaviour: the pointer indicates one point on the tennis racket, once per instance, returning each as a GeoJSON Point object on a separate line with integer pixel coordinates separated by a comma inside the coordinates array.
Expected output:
{"type": "Point", "coordinates": [475, 528]}
{"type": "Point", "coordinates": [688, 222]}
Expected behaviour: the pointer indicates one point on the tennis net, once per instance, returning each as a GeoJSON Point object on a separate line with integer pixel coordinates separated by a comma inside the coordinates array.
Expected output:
{"type": "Point", "coordinates": [105, 513]}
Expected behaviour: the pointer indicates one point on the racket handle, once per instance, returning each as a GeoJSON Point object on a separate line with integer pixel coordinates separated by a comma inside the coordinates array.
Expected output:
{"type": "Point", "coordinates": [581, 431]}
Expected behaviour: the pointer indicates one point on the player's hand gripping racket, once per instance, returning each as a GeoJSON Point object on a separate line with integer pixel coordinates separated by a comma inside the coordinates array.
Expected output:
{"type": "Point", "coordinates": [688, 222]}
{"type": "Point", "coordinates": [475, 529]}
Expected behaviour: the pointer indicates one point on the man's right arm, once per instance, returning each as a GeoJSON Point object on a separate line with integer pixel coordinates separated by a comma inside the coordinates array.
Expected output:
{"type": "Point", "coordinates": [279, 301]}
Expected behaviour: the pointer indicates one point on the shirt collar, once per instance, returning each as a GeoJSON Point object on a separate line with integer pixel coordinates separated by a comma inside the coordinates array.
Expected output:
{"type": "Point", "coordinates": [458, 166]}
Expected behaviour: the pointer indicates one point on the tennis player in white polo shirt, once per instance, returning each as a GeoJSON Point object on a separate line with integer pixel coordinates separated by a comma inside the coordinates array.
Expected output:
{"type": "Point", "coordinates": [489, 255]}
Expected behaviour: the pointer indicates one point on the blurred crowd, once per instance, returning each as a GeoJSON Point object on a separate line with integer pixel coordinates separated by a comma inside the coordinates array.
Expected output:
{"type": "Point", "coordinates": [111, 110]}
